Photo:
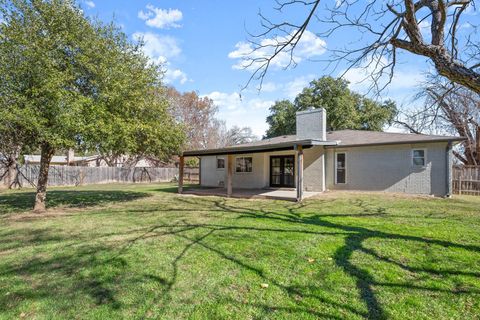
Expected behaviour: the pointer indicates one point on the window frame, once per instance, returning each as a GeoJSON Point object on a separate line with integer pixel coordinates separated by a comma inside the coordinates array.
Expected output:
{"type": "Point", "coordinates": [412, 156]}
{"type": "Point", "coordinates": [224, 163]}
{"type": "Point", "coordinates": [336, 167]}
{"type": "Point", "coordinates": [243, 157]}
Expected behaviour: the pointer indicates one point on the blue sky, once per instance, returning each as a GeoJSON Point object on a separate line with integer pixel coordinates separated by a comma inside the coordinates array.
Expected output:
{"type": "Point", "coordinates": [199, 43]}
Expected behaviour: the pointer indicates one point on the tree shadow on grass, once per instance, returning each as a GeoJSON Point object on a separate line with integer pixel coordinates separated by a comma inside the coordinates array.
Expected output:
{"type": "Point", "coordinates": [294, 218]}
{"type": "Point", "coordinates": [64, 266]}
{"type": "Point", "coordinates": [354, 242]}
{"type": "Point", "coordinates": [355, 237]}
{"type": "Point", "coordinates": [186, 187]}
{"type": "Point", "coordinates": [23, 201]}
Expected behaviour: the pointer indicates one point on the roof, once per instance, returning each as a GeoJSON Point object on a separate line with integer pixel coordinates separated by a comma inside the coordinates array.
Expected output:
{"type": "Point", "coordinates": [57, 159]}
{"type": "Point", "coordinates": [357, 138]}
{"type": "Point", "coordinates": [335, 139]}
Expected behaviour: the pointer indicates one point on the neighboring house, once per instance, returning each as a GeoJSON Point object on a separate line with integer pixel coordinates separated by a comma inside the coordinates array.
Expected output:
{"type": "Point", "coordinates": [91, 161]}
{"type": "Point", "coordinates": [318, 160]}
{"type": "Point", "coordinates": [125, 161]}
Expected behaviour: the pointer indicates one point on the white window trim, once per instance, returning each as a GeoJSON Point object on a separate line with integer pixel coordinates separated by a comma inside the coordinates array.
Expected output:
{"type": "Point", "coordinates": [224, 163]}
{"type": "Point", "coordinates": [346, 171]}
{"type": "Point", "coordinates": [242, 172]}
{"type": "Point", "coordinates": [424, 158]}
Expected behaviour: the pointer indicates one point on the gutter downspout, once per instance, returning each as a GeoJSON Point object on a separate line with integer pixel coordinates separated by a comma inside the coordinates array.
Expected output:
{"type": "Point", "coordinates": [199, 171]}
{"type": "Point", "coordinates": [448, 186]}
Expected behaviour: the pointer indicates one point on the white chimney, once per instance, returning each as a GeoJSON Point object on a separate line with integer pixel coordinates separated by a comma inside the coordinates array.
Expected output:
{"type": "Point", "coordinates": [312, 124]}
{"type": "Point", "coordinates": [70, 157]}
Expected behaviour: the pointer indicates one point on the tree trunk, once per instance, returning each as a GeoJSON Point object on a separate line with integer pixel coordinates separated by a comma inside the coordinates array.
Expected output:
{"type": "Point", "coordinates": [11, 173]}
{"type": "Point", "coordinates": [40, 197]}
{"type": "Point", "coordinates": [12, 168]}
{"type": "Point", "coordinates": [444, 63]}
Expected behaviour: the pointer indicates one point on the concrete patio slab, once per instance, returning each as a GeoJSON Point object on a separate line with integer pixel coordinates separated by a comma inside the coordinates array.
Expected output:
{"type": "Point", "coordinates": [277, 194]}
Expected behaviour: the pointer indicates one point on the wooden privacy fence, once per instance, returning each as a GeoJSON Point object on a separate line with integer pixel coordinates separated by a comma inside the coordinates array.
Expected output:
{"type": "Point", "coordinates": [74, 176]}
{"type": "Point", "coordinates": [191, 174]}
{"type": "Point", "coordinates": [466, 180]}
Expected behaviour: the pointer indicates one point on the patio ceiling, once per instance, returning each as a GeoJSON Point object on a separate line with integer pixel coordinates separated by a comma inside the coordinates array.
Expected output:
{"type": "Point", "coordinates": [267, 147]}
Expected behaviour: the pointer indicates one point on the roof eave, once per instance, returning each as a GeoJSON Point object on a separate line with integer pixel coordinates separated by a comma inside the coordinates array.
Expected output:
{"type": "Point", "coordinates": [454, 140]}
{"type": "Point", "coordinates": [290, 145]}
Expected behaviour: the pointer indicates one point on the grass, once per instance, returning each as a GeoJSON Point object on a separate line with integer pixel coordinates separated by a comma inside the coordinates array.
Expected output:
{"type": "Point", "coordinates": [141, 251]}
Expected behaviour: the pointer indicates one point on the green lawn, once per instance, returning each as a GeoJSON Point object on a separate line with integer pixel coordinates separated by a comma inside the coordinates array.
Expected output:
{"type": "Point", "coordinates": [141, 251]}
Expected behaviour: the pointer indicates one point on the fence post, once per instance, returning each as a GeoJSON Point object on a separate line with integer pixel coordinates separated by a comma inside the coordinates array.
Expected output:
{"type": "Point", "coordinates": [460, 183]}
{"type": "Point", "coordinates": [180, 174]}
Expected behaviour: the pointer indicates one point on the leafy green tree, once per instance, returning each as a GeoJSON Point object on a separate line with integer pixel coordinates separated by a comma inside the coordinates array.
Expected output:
{"type": "Point", "coordinates": [333, 95]}
{"type": "Point", "coordinates": [345, 109]}
{"type": "Point", "coordinates": [70, 82]}
{"type": "Point", "coordinates": [374, 115]}
{"type": "Point", "coordinates": [281, 120]}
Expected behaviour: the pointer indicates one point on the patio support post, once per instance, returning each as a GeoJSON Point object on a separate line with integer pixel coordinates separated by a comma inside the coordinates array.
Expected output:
{"type": "Point", "coordinates": [229, 174]}
{"type": "Point", "coordinates": [180, 174]}
{"type": "Point", "coordinates": [299, 173]}
{"type": "Point", "coordinates": [200, 171]}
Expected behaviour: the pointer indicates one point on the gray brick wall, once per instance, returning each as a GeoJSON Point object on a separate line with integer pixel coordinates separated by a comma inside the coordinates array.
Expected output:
{"type": "Point", "coordinates": [390, 168]}
{"type": "Point", "coordinates": [384, 168]}
{"type": "Point", "coordinates": [313, 166]}
{"type": "Point", "coordinates": [312, 124]}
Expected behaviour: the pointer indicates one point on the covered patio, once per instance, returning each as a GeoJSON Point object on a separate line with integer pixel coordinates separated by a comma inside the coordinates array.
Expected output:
{"type": "Point", "coordinates": [288, 144]}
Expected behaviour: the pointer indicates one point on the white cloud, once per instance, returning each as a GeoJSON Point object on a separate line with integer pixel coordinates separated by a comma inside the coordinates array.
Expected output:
{"type": "Point", "coordinates": [360, 78]}
{"type": "Point", "coordinates": [290, 89]}
{"type": "Point", "coordinates": [229, 101]}
{"type": "Point", "coordinates": [425, 27]}
{"type": "Point", "coordinates": [425, 24]}
{"type": "Point", "coordinates": [172, 75]}
{"type": "Point", "coordinates": [157, 46]}
{"type": "Point", "coordinates": [258, 103]}
{"type": "Point", "coordinates": [269, 87]}
{"type": "Point", "coordinates": [248, 57]}
{"type": "Point", "coordinates": [242, 111]}
{"type": "Point", "coordinates": [406, 79]}
{"type": "Point", "coordinates": [90, 4]}
{"type": "Point", "coordinates": [161, 49]}
{"type": "Point", "coordinates": [403, 89]}
{"type": "Point", "coordinates": [161, 18]}
{"type": "Point", "coordinates": [294, 87]}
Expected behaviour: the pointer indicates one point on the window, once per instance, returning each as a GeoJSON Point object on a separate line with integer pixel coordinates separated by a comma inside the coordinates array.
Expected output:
{"type": "Point", "coordinates": [418, 157]}
{"type": "Point", "coordinates": [340, 168]}
{"type": "Point", "coordinates": [220, 163]}
{"type": "Point", "coordinates": [243, 164]}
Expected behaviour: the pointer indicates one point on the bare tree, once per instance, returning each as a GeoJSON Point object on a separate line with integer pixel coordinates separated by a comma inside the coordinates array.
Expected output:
{"type": "Point", "coordinates": [204, 130]}
{"type": "Point", "coordinates": [237, 135]}
{"type": "Point", "coordinates": [449, 108]}
{"type": "Point", "coordinates": [197, 115]}
{"type": "Point", "coordinates": [383, 27]}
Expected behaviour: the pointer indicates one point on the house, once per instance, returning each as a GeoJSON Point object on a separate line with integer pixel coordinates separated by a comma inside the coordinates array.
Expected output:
{"type": "Point", "coordinates": [315, 160]}
{"type": "Point", "coordinates": [90, 161]}
{"type": "Point", "coordinates": [86, 161]}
